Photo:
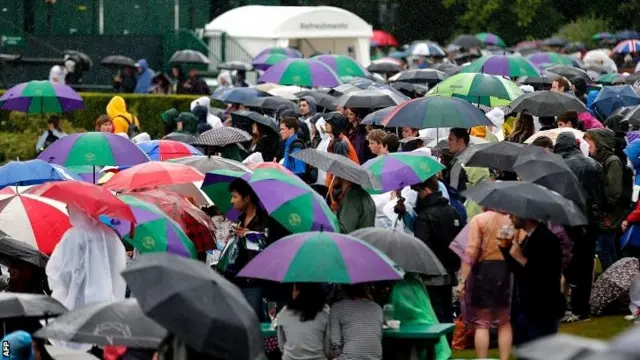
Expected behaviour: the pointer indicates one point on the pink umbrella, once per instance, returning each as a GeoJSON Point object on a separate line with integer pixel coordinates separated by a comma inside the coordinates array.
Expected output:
{"type": "Point", "coordinates": [459, 244]}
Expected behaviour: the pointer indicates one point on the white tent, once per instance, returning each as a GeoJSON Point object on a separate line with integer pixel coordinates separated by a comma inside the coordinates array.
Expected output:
{"type": "Point", "coordinates": [310, 29]}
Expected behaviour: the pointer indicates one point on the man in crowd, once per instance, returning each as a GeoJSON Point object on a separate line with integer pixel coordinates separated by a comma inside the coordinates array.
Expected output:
{"type": "Point", "coordinates": [291, 144]}
{"type": "Point", "coordinates": [569, 119]}
{"type": "Point", "coordinates": [561, 85]}
{"type": "Point", "coordinates": [381, 142]}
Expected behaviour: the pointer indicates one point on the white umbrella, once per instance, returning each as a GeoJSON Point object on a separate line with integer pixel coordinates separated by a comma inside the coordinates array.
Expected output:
{"type": "Point", "coordinates": [553, 135]}
{"type": "Point", "coordinates": [287, 92]}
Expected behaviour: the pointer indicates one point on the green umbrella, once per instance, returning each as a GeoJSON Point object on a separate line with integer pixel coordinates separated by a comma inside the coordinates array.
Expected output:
{"type": "Point", "coordinates": [511, 66]}
{"type": "Point", "coordinates": [483, 89]}
{"type": "Point", "coordinates": [343, 65]}
{"type": "Point", "coordinates": [490, 39]}
{"type": "Point", "coordinates": [610, 79]}
{"type": "Point", "coordinates": [397, 170]}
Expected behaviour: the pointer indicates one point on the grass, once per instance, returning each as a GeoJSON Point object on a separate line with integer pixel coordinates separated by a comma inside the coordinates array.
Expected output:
{"type": "Point", "coordinates": [602, 328]}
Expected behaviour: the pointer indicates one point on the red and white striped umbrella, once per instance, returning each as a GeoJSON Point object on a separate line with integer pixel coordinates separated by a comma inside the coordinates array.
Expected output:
{"type": "Point", "coordinates": [12, 190]}
{"type": "Point", "coordinates": [37, 221]}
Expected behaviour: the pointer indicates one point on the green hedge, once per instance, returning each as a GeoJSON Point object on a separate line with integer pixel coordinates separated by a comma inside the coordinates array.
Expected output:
{"type": "Point", "coordinates": [19, 132]}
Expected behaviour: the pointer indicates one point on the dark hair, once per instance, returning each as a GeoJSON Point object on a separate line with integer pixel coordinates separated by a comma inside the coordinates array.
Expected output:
{"type": "Point", "coordinates": [101, 120]}
{"type": "Point", "coordinates": [291, 123]}
{"type": "Point", "coordinates": [55, 120]}
{"type": "Point", "coordinates": [546, 120]}
{"type": "Point", "coordinates": [570, 116]}
{"type": "Point", "coordinates": [392, 142]}
{"type": "Point", "coordinates": [562, 81]}
{"type": "Point", "coordinates": [431, 184]}
{"type": "Point", "coordinates": [461, 133]}
{"type": "Point", "coordinates": [543, 142]}
{"type": "Point", "coordinates": [243, 189]}
{"type": "Point", "coordinates": [309, 302]}
{"type": "Point", "coordinates": [356, 290]}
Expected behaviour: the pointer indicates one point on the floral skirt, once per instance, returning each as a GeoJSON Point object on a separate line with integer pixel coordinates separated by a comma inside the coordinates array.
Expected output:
{"type": "Point", "coordinates": [487, 298]}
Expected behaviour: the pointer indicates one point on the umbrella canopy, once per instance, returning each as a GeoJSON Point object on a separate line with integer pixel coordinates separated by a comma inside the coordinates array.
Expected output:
{"type": "Point", "coordinates": [554, 42]}
{"type": "Point", "coordinates": [369, 99]}
{"type": "Point", "coordinates": [214, 316]}
{"type": "Point", "coordinates": [574, 74]}
{"type": "Point", "coordinates": [322, 98]}
{"type": "Point", "coordinates": [271, 103]}
{"type": "Point", "coordinates": [614, 282]}
{"type": "Point", "coordinates": [94, 149]}
{"type": "Point", "coordinates": [120, 323]}
{"type": "Point", "coordinates": [87, 173]}
{"type": "Point", "coordinates": [546, 59]}
{"type": "Point", "coordinates": [238, 95]}
{"type": "Point", "coordinates": [205, 164]}
{"type": "Point", "coordinates": [398, 170]}
{"type": "Point", "coordinates": [321, 257]}
{"type": "Point", "coordinates": [490, 39]}
{"type": "Point", "coordinates": [436, 112]}
{"type": "Point", "coordinates": [301, 72]}
{"type": "Point", "coordinates": [235, 65]}
{"type": "Point", "coordinates": [37, 221]}
{"type": "Point", "coordinates": [505, 65]}
{"type": "Point", "coordinates": [189, 57]}
{"type": "Point", "coordinates": [553, 135]}
{"type": "Point", "coordinates": [14, 249]}
{"type": "Point", "coordinates": [251, 116]}
{"type": "Point", "coordinates": [489, 90]}
{"type": "Point", "coordinates": [612, 98]}
{"type": "Point", "coordinates": [118, 61]}
{"type": "Point", "coordinates": [40, 97]}
{"type": "Point", "coordinates": [19, 305]}
{"type": "Point", "coordinates": [340, 166]}
{"type": "Point", "coordinates": [358, 84]}
{"type": "Point", "coordinates": [180, 136]}
{"type": "Point", "coordinates": [410, 90]}
{"type": "Point", "coordinates": [283, 195]}
{"type": "Point", "coordinates": [152, 174]}
{"type": "Point", "coordinates": [426, 48]}
{"type": "Point", "coordinates": [560, 347]}
{"type": "Point", "coordinates": [602, 36]}
{"type": "Point", "coordinates": [290, 52]}
{"type": "Point", "coordinates": [612, 79]}
{"type": "Point", "coordinates": [501, 155]}
{"type": "Point", "coordinates": [376, 117]}
{"type": "Point", "coordinates": [547, 103]}
{"type": "Point", "coordinates": [342, 65]}
{"type": "Point", "coordinates": [263, 62]}
{"type": "Point", "coordinates": [161, 150]}
{"type": "Point", "coordinates": [527, 200]}
{"type": "Point", "coordinates": [420, 76]}
{"type": "Point", "coordinates": [467, 41]}
{"type": "Point", "coordinates": [409, 252]}
{"type": "Point", "coordinates": [626, 47]}
{"type": "Point", "coordinates": [33, 172]}
{"type": "Point", "coordinates": [384, 67]}
{"type": "Point", "coordinates": [222, 136]}
{"type": "Point", "coordinates": [381, 38]}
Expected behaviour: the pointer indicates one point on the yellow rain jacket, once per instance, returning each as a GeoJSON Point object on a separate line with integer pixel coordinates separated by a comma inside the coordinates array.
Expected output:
{"type": "Point", "coordinates": [117, 111]}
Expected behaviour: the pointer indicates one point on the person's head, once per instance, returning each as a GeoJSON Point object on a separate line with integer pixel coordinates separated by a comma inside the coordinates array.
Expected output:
{"type": "Point", "coordinates": [193, 73]}
{"type": "Point", "coordinates": [176, 71]}
{"type": "Point", "coordinates": [242, 196]}
{"type": "Point", "coordinates": [408, 132]}
{"type": "Point", "coordinates": [569, 119]}
{"type": "Point", "coordinates": [307, 300]}
{"type": "Point", "coordinates": [603, 140]}
{"type": "Point", "coordinates": [458, 140]}
{"type": "Point", "coordinates": [547, 121]}
{"type": "Point", "coordinates": [523, 128]}
{"type": "Point", "coordinates": [356, 291]}
{"type": "Point", "coordinates": [304, 107]}
{"type": "Point", "coordinates": [376, 139]}
{"type": "Point", "coordinates": [354, 116]}
{"type": "Point", "coordinates": [544, 142]}
{"type": "Point", "coordinates": [128, 70]}
{"type": "Point", "coordinates": [104, 124]}
{"type": "Point", "coordinates": [427, 187]}
{"type": "Point", "coordinates": [335, 124]}
{"type": "Point", "coordinates": [288, 127]}
{"type": "Point", "coordinates": [560, 84]}
{"type": "Point", "coordinates": [522, 223]}
{"type": "Point", "coordinates": [391, 143]}
{"type": "Point", "coordinates": [54, 123]}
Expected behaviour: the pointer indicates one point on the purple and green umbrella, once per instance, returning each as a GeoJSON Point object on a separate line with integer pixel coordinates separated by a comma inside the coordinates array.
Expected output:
{"type": "Point", "coordinates": [94, 149]}
{"type": "Point", "coordinates": [287, 199]}
{"type": "Point", "coordinates": [549, 58]}
{"type": "Point", "coordinates": [263, 62]}
{"type": "Point", "coordinates": [301, 72]}
{"type": "Point", "coordinates": [342, 65]}
{"type": "Point", "coordinates": [398, 170]}
{"type": "Point", "coordinates": [511, 66]}
{"type": "Point", "coordinates": [603, 36]}
{"type": "Point", "coordinates": [290, 52]}
{"type": "Point", "coordinates": [322, 257]}
{"type": "Point", "coordinates": [477, 88]}
{"type": "Point", "coordinates": [154, 231]}
{"type": "Point", "coordinates": [87, 173]}
{"type": "Point", "coordinates": [490, 39]}
{"type": "Point", "coordinates": [41, 97]}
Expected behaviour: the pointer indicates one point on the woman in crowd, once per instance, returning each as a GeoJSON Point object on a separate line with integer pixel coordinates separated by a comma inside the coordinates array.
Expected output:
{"type": "Point", "coordinates": [357, 134]}
{"type": "Point", "coordinates": [53, 133]}
{"type": "Point", "coordinates": [104, 124]}
{"type": "Point", "coordinates": [266, 142]}
{"type": "Point", "coordinates": [522, 130]}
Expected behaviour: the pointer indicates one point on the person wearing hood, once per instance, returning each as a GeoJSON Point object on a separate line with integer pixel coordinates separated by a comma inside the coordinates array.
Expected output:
{"type": "Point", "coordinates": [601, 147]}
{"type": "Point", "coordinates": [57, 74]}
{"type": "Point", "coordinates": [122, 120]}
{"type": "Point", "coordinates": [591, 98]}
{"type": "Point", "coordinates": [145, 77]}
{"type": "Point", "coordinates": [169, 120]}
{"type": "Point", "coordinates": [308, 107]}
{"type": "Point", "coordinates": [591, 176]}
{"type": "Point", "coordinates": [195, 85]}
{"type": "Point", "coordinates": [212, 120]}
{"type": "Point", "coordinates": [201, 113]}
{"type": "Point", "coordinates": [225, 80]}
{"type": "Point", "coordinates": [125, 82]}
{"type": "Point", "coordinates": [187, 122]}
{"type": "Point", "coordinates": [633, 155]}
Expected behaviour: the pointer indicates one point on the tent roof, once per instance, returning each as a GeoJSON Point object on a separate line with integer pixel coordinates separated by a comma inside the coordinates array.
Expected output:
{"type": "Point", "coordinates": [290, 22]}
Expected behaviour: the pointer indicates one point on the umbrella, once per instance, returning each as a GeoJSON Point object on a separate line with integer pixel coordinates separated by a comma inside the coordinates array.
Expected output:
{"type": "Point", "coordinates": [397, 170]}
{"type": "Point", "coordinates": [340, 166]}
{"type": "Point", "coordinates": [191, 191]}
{"type": "Point", "coordinates": [436, 112]}
{"type": "Point", "coordinates": [426, 48]}
{"type": "Point", "coordinates": [342, 65]}
{"type": "Point", "coordinates": [263, 62]}
{"type": "Point", "coordinates": [321, 257]}
{"type": "Point", "coordinates": [489, 90]}
{"type": "Point", "coordinates": [13, 190]}
{"type": "Point", "coordinates": [505, 65]}
{"type": "Point", "coordinates": [180, 136]}
{"type": "Point", "coordinates": [554, 42]}
{"type": "Point", "coordinates": [376, 117]}
{"type": "Point", "coordinates": [384, 67]}
{"type": "Point", "coordinates": [501, 155]}
{"type": "Point", "coordinates": [322, 99]}
{"type": "Point", "coordinates": [33, 172]}
{"type": "Point", "coordinates": [95, 149]}
{"type": "Point", "coordinates": [205, 164]}
{"type": "Point", "coordinates": [287, 199]}
{"type": "Point", "coordinates": [560, 347]}
{"type": "Point", "coordinates": [11, 249]}
{"type": "Point", "coordinates": [381, 38]}
{"type": "Point", "coordinates": [547, 103]}
{"type": "Point", "coordinates": [602, 36]}
{"type": "Point", "coordinates": [627, 342]}
{"type": "Point", "coordinates": [119, 323]}
{"type": "Point", "coordinates": [467, 41]}
{"type": "Point", "coordinates": [270, 103]}
{"type": "Point", "coordinates": [86, 173]}
{"type": "Point", "coordinates": [552, 172]}
{"type": "Point", "coordinates": [222, 137]}
{"type": "Point", "coordinates": [420, 76]}
{"type": "Point", "coordinates": [398, 54]}
{"type": "Point", "coordinates": [573, 74]}
{"type": "Point", "coordinates": [235, 65]}
{"type": "Point", "coordinates": [251, 116]}
{"type": "Point", "coordinates": [409, 252]}
{"type": "Point", "coordinates": [155, 231]}
{"type": "Point", "coordinates": [214, 316]}
{"type": "Point", "coordinates": [85, 63]}
{"type": "Point", "coordinates": [38, 222]}
{"type": "Point", "coordinates": [290, 52]}
{"type": "Point", "coordinates": [627, 35]}
{"type": "Point", "coordinates": [612, 98]}
{"type": "Point", "coordinates": [626, 47]}
{"type": "Point", "coordinates": [118, 61]}
{"type": "Point", "coordinates": [60, 353]}
{"type": "Point", "coordinates": [549, 58]}
{"type": "Point", "coordinates": [358, 84]}
{"type": "Point", "coordinates": [612, 79]}
{"type": "Point", "coordinates": [490, 39]}
{"type": "Point", "coordinates": [20, 305]}
{"type": "Point", "coordinates": [161, 150]}
{"type": "Point", "coordinates": [553, 135]}
{"type": "Point", "coordinates": [286, 92]}
{"type": "Point", "coordinates": [40, 97]}
{"type": "Point", "coordinates": [189, 57]}
{"type": "Point", "coordinates": [301, 72]}
{"type": "Point", "coordinates": [152, 174]}
{"type": "Point", "coordinates": [446, 67]}
{"type": "Point", "coordinates": [369, 99]}
{"type": "Point", "coordinates": [613, 283]}
{"type": "Point", "coordinates": [409, 89]}
{"type": "Point", "coordinates": [239, 95]}
{"type": "Point", "coordinates": [527, 200]}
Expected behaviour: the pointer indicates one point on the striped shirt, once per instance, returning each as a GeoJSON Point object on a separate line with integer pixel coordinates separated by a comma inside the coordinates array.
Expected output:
{"type": "Point", "coordinates": [356, 330]}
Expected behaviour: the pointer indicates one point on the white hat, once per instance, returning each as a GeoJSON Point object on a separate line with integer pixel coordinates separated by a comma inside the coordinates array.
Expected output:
{"type": "Point", "coordinates": [140, 138]}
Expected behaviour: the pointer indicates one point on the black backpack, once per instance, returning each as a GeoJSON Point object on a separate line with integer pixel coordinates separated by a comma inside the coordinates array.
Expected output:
{"type": "Point", "coordinates": [132, 129]}
{"type": "Point", "coordinates": [51, 138]}
{"type": "Point", "coordinates": [310, 175]}
{"type": "Point", "coordinates": [627, 182]}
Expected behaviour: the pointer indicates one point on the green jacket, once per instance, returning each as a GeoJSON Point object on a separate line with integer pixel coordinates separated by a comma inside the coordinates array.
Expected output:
{"type": "Point", "coordinates": [613, 212]}
{"type": "Point", "coordinates": [357, 210]}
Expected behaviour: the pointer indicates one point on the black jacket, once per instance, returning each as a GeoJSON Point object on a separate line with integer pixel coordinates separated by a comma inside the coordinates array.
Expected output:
{"type": "Point", "coordinates": [537, 283]}
{"type": "Point", "coordinates": [437, 224]}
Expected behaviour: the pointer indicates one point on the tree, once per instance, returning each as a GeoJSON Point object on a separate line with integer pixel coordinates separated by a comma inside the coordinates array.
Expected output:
{"type": "Point", "coordinates": [582, 29]}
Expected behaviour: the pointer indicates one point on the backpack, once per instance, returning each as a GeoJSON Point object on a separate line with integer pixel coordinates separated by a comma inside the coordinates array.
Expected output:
{"type": "Point", "coordinates": [457, 202]}
{"type": "Point", "coordinates": [627, 182]}
{"type": "Point", "coordinates": [132, 129]}
{"type": "Point", "coordinates": [310, 175]}
{"type": "Point", "coordinates": [51, 138]}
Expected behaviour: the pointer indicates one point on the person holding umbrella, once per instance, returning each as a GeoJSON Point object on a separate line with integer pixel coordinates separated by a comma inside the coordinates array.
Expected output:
{"type": "Point", "coordinates": [357, 134]}
{"type": "Point", "coordinates": [356, 209]}
{"type": "Point", "coordinates": [195, 85]}
{"type": "Point", "coordinates": [178, 83]}
{"type": "Point", "coordinates": [53, 133]}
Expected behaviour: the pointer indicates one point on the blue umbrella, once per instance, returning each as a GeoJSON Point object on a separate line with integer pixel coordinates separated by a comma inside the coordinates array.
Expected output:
{"type": "Point", "coordinates": [33, 172]}
{"type": "Point", "coordinates": [238, 95]}
{"type": "Point", "coordinates": [627, 35]}
{"type": "Point", "coordinates": [376, 117]}
{"type": "Point", "coordinates": [399, 54]}
{"type": "Point", "coordinates": [611, 98]}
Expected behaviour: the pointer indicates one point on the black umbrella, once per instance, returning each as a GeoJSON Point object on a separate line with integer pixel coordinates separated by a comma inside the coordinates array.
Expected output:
{"type": "Point", "coordinates": [552, 172]}
{"type": "Point", "coordinates": [119, 323]}
{"type": "Point", "coordinates": [369, 99]}
{"type": "Point", "coordinates": [11, 249]}
{"type": "Point", "coordinates": [19, 305]}
{"type": "Point", "coordinates": [197, 305]}
{"type": "Point", "coordinates": [547, 103]}
{"type": "Point", "coordinates": [534, 81]}
{"type": "Point", "coordinates": [204, 163]}
{"type": "Point", "coordinates": [180, 136]}
{"type": "Point", "coordinates": [410, 89]}
{"type": "Point", "coordinates": [501, 155]}
{"type": "Point", "coordinates": [222, 136]}
{"type": "Point", "coordinates": [630, 114]}
{"type": "Point", "coordinates": [631, 79]}
{"type": "Point", "coordinates": [270, 103]}
{"type": "Point", "coordinates": [447, 68]}
{"type": "Point", "coordinates": [235, 65]}
{"type": "Point", "coordinates": [409, 252]}
{"type": "Point", "coordinates": [376, 117]}
{"type": "Point", "coordinates": [242, 116]}
{"type": "Point", "coordinates": [560, 347]}
{"type": "Point", "coordinates": [554, 42]}
{"type": "Point", "coordinates": [118, 61]}
{"type": "Point", "coordinates": [322, 98]}
{"type": "Point", "coordinates": [527, 200]}
{"type": "Point", "coordinates": [340, 166]}
{"type": "Point", "coordinates": [573, 74]}
{"type": "Point", "coordinates": [467, 41]}
{"type": "Point", "coordinates": [420, 76]}
{"type": "Point", "coordinates": [189, 57]}
{"type": "Point", "coordinates": [384, 68]}
{"type": "Point", "coordinates": [85, 60]}
{"type": "Point", "coordinates": [573, 47]}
